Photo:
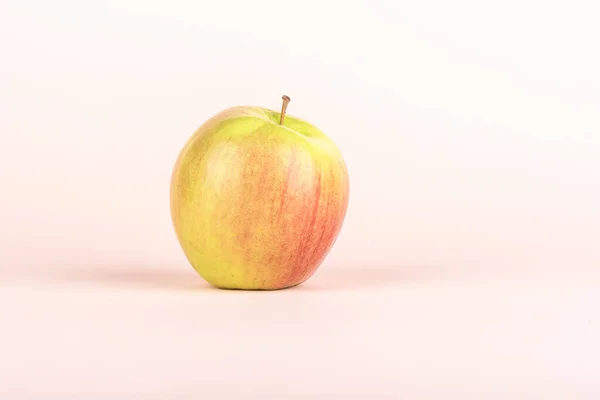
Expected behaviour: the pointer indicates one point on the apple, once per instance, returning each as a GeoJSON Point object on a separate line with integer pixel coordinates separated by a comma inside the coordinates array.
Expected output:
{"type": "Point", "coordinates": [258, 198]}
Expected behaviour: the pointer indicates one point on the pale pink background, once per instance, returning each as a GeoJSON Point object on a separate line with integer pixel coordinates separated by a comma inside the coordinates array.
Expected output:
{"type": "Point", "coordinates": [468, 263]}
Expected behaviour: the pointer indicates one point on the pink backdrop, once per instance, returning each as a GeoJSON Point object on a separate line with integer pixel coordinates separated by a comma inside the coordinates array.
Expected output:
{"type": "Point", "coordinates": [468, 262]}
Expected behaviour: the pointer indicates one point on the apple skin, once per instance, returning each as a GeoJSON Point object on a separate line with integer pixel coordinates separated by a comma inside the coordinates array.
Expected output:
{"type": "Point", "coordinates": [257, 205]}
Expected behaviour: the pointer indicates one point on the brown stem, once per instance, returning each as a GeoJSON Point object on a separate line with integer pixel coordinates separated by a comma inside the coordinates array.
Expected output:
{"type": "Point", "coordinates": [286, 100]}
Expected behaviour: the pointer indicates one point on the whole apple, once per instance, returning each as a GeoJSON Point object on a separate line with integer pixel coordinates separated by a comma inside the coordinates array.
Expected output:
{"type": "Point", "coordinates": [258, 198]}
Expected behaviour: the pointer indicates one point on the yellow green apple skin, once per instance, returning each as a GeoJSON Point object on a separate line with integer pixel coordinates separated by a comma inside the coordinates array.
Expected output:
{"type": "Point", "coordinates": [256, 202]}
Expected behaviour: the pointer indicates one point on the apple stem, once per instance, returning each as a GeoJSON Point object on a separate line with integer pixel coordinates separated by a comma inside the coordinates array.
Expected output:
{"type": "Point", "coordinates": [286, 100]}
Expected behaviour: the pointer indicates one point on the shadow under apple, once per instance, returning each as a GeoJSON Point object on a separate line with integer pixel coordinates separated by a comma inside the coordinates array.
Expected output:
{"type": "Point", "coordinates": [184, 278]}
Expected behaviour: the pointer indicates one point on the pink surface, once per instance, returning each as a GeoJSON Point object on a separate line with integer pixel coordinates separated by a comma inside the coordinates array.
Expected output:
{"type": "Point", "coordinates": [468, 262]}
